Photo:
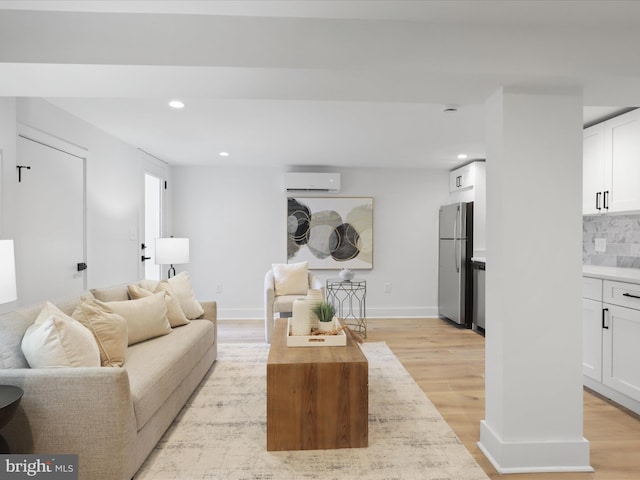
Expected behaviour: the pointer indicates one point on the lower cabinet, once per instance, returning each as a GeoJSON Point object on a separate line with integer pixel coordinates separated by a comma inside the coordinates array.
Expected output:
{"type": "Point", "coordinates": [621, 350]}
{"type": "Point", "coordinates": [611, 340]}
{"type": "Point", "coordinates": [592, 338]}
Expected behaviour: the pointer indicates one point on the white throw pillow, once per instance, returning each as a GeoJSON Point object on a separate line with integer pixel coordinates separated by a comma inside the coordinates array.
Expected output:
{"type": "Point", "coordinates": [175, 314]}
{"type": "Point", "coordinates": [146, 317]}
{"type": "Point", "coordinates": [182, 287]}
{"type": "Point", "coordinates": [56, 340]}
{"type": "Point", "coordinates": [291, 279]}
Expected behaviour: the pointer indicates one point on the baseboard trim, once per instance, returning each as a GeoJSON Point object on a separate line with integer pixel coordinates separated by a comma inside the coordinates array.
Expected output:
{"type": "Point", "coordinates": [533, 457]}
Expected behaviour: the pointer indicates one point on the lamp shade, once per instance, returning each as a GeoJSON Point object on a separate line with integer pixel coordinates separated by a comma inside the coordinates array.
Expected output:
{"type": "Point", "coordinates": [172, 251]}
{"type": "Point", "coordinates": [8, 292]}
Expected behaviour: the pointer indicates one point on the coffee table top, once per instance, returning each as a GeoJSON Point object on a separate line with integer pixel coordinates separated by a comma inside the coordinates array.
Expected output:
{"type": "Point", "coordinates": [280, 353]}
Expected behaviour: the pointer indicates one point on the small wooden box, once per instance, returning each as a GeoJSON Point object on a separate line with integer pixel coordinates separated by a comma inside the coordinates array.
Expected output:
{"type": "Point", "coordinates": [339, 340]}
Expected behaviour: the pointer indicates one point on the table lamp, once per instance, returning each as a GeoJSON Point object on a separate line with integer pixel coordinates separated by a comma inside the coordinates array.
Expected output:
{"type": "Point", "coordinates": [170, 251]}
{"type": "Point", "coordinates": [8, 291]}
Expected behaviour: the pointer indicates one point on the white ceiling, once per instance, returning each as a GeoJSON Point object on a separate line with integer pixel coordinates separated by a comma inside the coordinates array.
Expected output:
{"type": "Point", "coordinates": [317, 83]}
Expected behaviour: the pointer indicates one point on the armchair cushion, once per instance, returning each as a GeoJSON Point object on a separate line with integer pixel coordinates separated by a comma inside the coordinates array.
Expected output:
{"type": "Point", "coordinates": [291, 279]}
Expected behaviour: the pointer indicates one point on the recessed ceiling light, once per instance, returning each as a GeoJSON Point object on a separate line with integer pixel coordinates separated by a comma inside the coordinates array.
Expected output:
{"type": "Point", "coordinates": [176, 104]}
{"type": "Point", "coordinates": [224, 154]}
{"type": "Point", "coordinates": [462, 156]}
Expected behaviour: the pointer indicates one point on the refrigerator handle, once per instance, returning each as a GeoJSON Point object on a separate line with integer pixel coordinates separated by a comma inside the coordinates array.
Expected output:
{"type": "Point", "coordinates": [457, 241]}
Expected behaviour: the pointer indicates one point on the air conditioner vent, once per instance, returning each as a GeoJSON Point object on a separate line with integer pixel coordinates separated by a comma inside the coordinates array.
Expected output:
{"type": "Point", "coordinates": [311, 182]}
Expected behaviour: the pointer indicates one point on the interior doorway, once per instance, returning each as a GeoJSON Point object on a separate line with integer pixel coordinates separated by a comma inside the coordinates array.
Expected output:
{"type": "Point", "coordinates": [50, 222]}
{"type": "Point", "coordinates": [152, 224]}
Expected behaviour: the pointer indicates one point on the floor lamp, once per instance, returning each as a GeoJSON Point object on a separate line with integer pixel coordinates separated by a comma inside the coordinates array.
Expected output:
{"type": "Point", "coordinates": [8, 290]}
{"type": "Point", "coordinates": [172, 251]}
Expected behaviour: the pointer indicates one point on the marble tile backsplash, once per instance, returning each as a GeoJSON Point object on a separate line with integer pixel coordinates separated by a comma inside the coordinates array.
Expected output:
{"type": "Point", "coordinates": [622, 234]}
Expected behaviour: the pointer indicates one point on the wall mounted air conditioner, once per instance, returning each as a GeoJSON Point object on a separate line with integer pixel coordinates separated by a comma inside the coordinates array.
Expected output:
{"type": "Point", "coordinates": [311, 182]}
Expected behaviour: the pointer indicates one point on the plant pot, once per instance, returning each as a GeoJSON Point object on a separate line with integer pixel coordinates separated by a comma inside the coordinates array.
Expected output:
{"type": "Point", "coordinates": [327, 326]}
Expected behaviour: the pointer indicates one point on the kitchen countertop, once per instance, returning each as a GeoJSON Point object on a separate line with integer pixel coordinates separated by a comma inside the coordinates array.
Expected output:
{"type": "Point", "coordinates": [631, 275]}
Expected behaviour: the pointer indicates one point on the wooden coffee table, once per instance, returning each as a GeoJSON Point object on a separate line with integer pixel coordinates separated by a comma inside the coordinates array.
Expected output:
{"type": "Point", "coordinates": [317, 397]}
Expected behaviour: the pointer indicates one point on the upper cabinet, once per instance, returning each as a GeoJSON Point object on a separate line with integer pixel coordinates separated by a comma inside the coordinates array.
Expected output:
{"type": "Point", "coordinates": [611, 168]}
{"type": "Point", "coordinates": [463, 177]}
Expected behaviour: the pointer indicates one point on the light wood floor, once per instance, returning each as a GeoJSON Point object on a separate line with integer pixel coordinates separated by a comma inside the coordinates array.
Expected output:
{"type": "Point", "coordinates": [448, 364]}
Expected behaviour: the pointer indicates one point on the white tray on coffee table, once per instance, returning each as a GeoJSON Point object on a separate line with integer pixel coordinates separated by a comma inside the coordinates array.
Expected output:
{"type": "Point", "coordinates": [339, 340]}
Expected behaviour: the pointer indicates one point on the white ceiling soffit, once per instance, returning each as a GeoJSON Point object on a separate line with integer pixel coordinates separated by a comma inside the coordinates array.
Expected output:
{"type": "Point", "coordinates": [335, 83]}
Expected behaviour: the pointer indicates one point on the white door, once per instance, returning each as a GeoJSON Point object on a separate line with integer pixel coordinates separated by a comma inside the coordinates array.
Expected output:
{"type": "Point", "coordinates": [152, 224]}
{"type": "Point", "coordinates": [50, 240]}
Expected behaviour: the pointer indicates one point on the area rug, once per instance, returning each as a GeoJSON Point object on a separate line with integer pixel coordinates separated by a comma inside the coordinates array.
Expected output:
{"type": "Point", "coordinates": [221, 431]}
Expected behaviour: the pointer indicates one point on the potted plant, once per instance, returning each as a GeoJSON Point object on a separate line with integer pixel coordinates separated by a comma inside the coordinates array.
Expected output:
{"type": "Point", "coordinates": [325, 312]}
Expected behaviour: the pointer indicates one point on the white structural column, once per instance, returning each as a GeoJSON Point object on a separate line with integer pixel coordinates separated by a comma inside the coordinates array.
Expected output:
{"type": "Point", "coordinates": [533, 413]}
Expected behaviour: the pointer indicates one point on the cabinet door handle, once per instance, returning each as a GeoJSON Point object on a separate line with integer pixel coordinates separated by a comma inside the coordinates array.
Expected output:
{"type": "Point", "coordinates": [598, 200]}
{"type": "Point", "coordinates": [630, 295]}
{"type": "Point", "coordinates": [605, 200]}
{"type": "Point", "coordinates": [604, 325]}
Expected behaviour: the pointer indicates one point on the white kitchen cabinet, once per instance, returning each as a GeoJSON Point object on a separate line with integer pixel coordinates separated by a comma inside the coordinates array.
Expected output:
{"type": "Point", "coordinates": [461, 178]}
{"type": "Point", "coordinates": [592, 338]}
{"type": "Point", "coordinates": [592, 315]}
{"type": "Point", "coordinates": [611, 165]}
{"type": "Point", "coordinates": [620, 350]}
{"type": "Point", "coordinates": [593, 169]}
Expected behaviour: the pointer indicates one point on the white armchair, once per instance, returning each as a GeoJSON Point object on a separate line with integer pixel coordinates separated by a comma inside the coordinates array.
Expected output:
{"type": "Point", "coordinates": [281, 304]}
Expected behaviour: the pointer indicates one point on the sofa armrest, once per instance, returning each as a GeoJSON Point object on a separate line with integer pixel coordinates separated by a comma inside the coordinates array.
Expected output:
{"type": "Point", "coordinates": [210, 311]}
{"type": "Point", "coordinates": [83, 411]}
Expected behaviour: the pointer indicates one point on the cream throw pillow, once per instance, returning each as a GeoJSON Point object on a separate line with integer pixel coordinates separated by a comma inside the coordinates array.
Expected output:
{"type": "Point", "coordinates": [56, 340]}
{"type": "Point", "coordinates": [146, 317]}
{"type": "Point", "coordinates": [291, 279]}
{"type": "Point", "coordinates": [174, 311]}
{"type": "Point", "coordinates": [109, 330]}
{"type": "Point", "coordinates": [182, 287]}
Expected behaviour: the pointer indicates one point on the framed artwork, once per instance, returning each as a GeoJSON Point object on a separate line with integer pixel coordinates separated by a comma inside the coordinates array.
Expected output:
{"type": "Point", "coordinates": [330, 232]}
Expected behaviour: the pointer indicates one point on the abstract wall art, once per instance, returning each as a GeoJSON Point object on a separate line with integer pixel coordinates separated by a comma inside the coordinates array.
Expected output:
{"type": "Point", "coordinates": [330, 232]}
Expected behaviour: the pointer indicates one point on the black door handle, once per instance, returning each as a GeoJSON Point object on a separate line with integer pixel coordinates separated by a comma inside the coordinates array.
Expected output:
{"type": "Point", "coordinates": [82, 266]}
{"type": "Point", "coordinates": [598, 200]}
{"type": "Point", "coordinates": [605, 200]}
{"type": "Point", "coordinates": [603, 318]}
{"type": "Point", "coordinates": [143, 258]}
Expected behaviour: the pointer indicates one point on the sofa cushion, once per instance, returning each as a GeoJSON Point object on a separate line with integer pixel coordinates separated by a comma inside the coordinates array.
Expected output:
{"type": "Point", "coordinates": [14, 324]}
{"type": "Point", "coordinates": [291, 279]}
{"type": "Point", "coordinates": [175, 315]}
{"type": "Point", "coordinates": [109, 330]}
{"type": "Point", "coordinates": [146, 317]}
{"type": "Point", "coordinates": [181, 284]}
{"type": "Point", "coordinates": [117, 293]}
{"type": "Point", "coordinates": [56, 340]}
{"type": "Point", "coordinates": [156, 368]}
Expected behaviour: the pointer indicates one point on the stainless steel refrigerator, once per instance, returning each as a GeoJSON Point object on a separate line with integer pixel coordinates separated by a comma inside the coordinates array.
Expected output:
{"type": "Point", "coordinates": [455, 279]}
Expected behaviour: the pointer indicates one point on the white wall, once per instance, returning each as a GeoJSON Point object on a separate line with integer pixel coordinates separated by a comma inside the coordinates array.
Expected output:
{"type": "Point", "coordinates": [236, 220]}
{"type": "Point", "coordinates": [115, 182]}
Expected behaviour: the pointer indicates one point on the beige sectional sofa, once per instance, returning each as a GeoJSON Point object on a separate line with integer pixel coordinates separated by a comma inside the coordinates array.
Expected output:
{"type": "Point", "coordinates": [111, 417]}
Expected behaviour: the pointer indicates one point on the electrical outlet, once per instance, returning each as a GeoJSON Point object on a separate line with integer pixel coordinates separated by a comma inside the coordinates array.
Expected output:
{"type": "Point", "coordinates": [387, 287]}
{"type": "Point", "coordinates": [601, 244]}
{"type": "Point", "coordinates": [219, 288]}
